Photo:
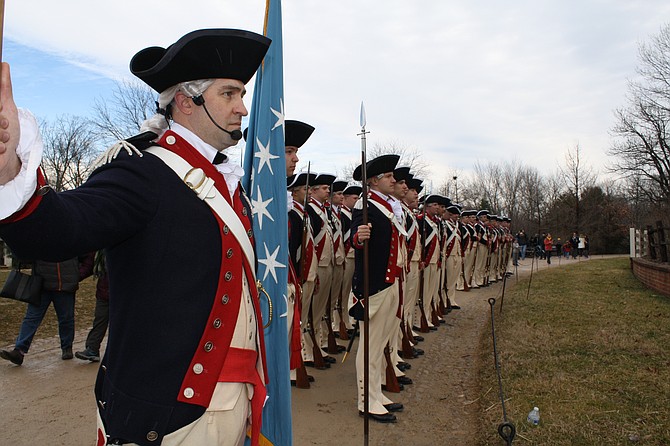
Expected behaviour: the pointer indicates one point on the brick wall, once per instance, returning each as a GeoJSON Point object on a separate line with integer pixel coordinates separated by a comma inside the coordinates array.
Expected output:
{"type": "Point", "coordinates": [654, 275]}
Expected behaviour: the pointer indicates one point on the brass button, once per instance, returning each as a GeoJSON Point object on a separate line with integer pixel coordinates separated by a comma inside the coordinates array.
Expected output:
{"type": "Point", "coordinates": [228, 276]}
{"type": "Point", "coordinates": [170, 140]}
{"type": "Point", "coordinates": [217, 323]}
{"type": "Point", "coordinates": [152, 435]}
{"type": "Point", "coordinates": [188, 392]}
{"type": "Point", "coordinates": [225, 299]}
{"type": "Point", "coordinates": [226, 230]}
{"type": "Point", "coordinates": [198, 369]}
{"type": "Point", "coordinates": [249, 233]}
{"type": "Point", "coordinates": [209, 345]}
{"type": "Point", "coordinates": [244, 211]}
{"type": "Point", "coordinates": [229, 253]}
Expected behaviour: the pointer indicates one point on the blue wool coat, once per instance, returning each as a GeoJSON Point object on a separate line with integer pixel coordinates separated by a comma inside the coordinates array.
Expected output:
{"type": "Point", "coordinates": [164, 259]}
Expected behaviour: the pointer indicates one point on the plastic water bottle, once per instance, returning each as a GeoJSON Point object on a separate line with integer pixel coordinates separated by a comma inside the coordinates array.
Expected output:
{"type": "Point", "coordinates": [534, 416]}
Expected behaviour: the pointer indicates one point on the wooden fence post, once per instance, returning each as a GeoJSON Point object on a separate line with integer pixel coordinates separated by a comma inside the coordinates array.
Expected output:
{"type": "Point", "coordinates": [663, 247]}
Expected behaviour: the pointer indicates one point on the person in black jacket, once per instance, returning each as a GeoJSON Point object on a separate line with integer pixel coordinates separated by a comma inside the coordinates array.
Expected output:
{"type": "Point", "coordinates": [383, 234]}
{"type": "Point", "coordinates": [94, 264]}
{"type": "Point", "coordinates": [60, 282]}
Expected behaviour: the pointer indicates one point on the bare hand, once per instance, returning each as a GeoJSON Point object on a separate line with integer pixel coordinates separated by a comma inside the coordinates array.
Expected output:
{"type": "Point", "coordinates": [10, 165]}
{"type": "Point", "coordinates": [364, 232]}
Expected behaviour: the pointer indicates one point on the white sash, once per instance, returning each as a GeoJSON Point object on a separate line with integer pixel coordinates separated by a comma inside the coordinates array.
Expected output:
{"type": "Point", "coordinates": [203, 186]}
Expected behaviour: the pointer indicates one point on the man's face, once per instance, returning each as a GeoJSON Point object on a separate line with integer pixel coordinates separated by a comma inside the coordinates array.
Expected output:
{"type": "Point", "coordinates": [384, 184]}
{"type": "Point", "coordinates": [337, 198]}
{"type": "Point", "coordinates": [223, 100]}
{"type": "Point", "coordinates": [411, 198]}
{"type": "Point", "coordinates": [400, 189]}
{"type": "Point", "coordinates": [299, 194]}
{"type": "Point", "coordinates": [291, 153]}
{"type": "Point", "coordinates": [432, 209]}
{"type": "Point", "coordinates": [350, 200]}
{"type": "Point", "coordinates": [320, 192]}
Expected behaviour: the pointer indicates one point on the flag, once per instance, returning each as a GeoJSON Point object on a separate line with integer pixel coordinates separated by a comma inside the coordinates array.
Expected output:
{"type": "Point", "coordinates": [265, 182]}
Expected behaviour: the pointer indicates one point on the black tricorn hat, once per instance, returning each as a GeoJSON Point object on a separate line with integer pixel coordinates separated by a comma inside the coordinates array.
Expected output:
{"type": "Point", "coordinates": [323, 178]}
{"type": "Point", "coordinates": [296, 133]}
{"type": "Point", "coordinates": [469, 213]}
{"type": "Point", "coordinates": [379, 165]}
{"type": "Point", "coordinates": [416, 184]}
{"type": "Point", "coordinates": [433, 199]}
{"type": "Point", "coordinates": [353, 190]}
{"type": "Point", "coordinates": [338, 186]}
{"type": "Point", "coordinates": [202, 54]}
{"type": "Point", "coordinates": [483, 213]}
{"type": "Point", "coordinates": [401, 173]}
{"type": "Point", "coordinates": [299, 180]}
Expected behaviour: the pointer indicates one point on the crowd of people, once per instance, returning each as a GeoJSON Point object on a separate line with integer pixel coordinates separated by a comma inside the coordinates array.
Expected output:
{"type": "Point", "coordinates": [545, 246]}
{"type": "Point", "coordinates": [178, 270]}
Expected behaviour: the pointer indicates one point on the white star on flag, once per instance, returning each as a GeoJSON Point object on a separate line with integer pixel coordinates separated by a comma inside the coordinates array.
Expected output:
{"type": "Point", "coordinates": [264, 155]}
{"type": "Point", "coordinates": [279, 114]}
{"type": "Point", "coordinates": [271, 263]}
{"type": "Point", "coordinates": [260, 208]}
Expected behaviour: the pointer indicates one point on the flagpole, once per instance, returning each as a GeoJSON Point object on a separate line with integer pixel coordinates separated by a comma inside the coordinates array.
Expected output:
{"type": "Point", "coordinates": [2, 25]}
{"type": "Point", "coordinates": [366, 285]}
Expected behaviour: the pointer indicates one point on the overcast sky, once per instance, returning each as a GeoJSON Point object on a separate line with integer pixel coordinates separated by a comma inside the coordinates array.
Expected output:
{"type": "Point", "coordinates": [461, 82]}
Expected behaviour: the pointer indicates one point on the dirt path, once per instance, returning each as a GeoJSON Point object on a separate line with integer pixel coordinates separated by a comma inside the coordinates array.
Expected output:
{"type": "Point", "coordinates": [50, 401]}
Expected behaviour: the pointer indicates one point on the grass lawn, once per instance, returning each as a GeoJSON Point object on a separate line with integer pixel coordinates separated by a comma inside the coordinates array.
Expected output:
{"type": "Point", "coordinates": [590, 347]}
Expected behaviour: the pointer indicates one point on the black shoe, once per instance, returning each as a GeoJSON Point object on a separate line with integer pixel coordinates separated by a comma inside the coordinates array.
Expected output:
{"type": "Point", "coordinates": [404, 380]}
{"type": "Point", "coordinates": [402, 387]}
{"type": "Point", "coordinates": [67, 353]}
{"type": "Point", "coordinates": [329, 360]}
{"type": "Point", "coordinates": [433, 328]}
{"type": "Point", "coordinates": [394, 407]}
{"type": "Point", "coordinates": [418, 351]}
{"type": "Point", "coordinates": [418, 339]}
{"type": "Point", "coordinates": [407, 365]}
{"type": "Point", "coordinates": [311, 364]}
{"type": "Point", "coordinates": [401, 366]}
{"type": "Point", "coordinates": [455, 307]}
{"type": "Point", "coordinates": [15, 356]}
{"type": "Point", "coordinates": [88, 355]}
{"type": "Point", "coordinates": [385, 418]}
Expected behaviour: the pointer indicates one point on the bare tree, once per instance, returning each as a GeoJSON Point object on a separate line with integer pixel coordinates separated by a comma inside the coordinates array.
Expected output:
{"type": "Point", "coordinates": [69, 150]}
{"type": "Point", "coordinates": [121, 117]}
{"type": "Point", "coordinates": [641, 149]}
{"type": "Point", "coordinates": [409, 156]}
{"type": "Point", "coordinates": [577, 177]}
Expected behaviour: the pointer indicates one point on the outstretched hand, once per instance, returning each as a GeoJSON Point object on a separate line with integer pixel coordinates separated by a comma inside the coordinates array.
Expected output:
{"type": "Point", "coordinates": [10, 165]}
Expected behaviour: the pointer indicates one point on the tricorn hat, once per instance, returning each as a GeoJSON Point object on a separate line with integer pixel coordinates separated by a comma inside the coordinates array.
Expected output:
{"type": "Point", "coordinates": [296, 133]}
{"type": "Point", "coordinates": [338, 186]}
{"type": "Point", "coordinates": [352, 190]}
{"type": "Point", "coordinates": [401, 173]}
{"type": "Point", "coordinates": [202, 54]}
{"type": "Point", "coordinates": [416, 184]}
{"type": "Point", "coordinates": [323, 178]}
{"type": "Point", "coordinates": [299, 180]}
{"type": "Point", "coordinates": [377, 166]}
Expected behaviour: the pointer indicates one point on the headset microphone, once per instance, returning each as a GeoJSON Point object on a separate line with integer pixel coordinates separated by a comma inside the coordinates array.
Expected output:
{"type": "Point", "coordinates": [235, 135]}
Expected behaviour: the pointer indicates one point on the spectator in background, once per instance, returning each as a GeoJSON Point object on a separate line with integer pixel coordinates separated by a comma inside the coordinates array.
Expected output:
{"type": "Point", "coordinates": [522, 239]}
{"type": "Point", "coordinates": [540, 246]}
{"type": "Point", "coordinates": [94, 264]}
{"type": "Point", "coordinates": [60, 282]}
{"type": "Point", "coordinates": [586, 246]}
{"type": "Point", "coordinates": [548, 247]}
{"type": "Point", "coordinates": [574, 244]}
{"type": "Point", "coordinates": [567, 246]}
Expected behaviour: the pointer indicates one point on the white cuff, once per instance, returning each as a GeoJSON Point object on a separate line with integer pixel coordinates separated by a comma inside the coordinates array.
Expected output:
{"type": "Point", "coordinates": [15, 194]}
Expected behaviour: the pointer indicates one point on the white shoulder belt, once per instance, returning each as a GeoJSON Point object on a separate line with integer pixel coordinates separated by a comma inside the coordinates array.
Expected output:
{"type": "Point", "coordinates": [203, 186]}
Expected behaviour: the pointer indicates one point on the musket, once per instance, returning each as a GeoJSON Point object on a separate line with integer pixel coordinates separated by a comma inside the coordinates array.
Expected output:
{"type": "Point", "coordinates": [476, 248]}
{"type": "Point", "coordinates": [392, 384]}
{"type": "Point", "coordinates": [424, 322]}
{"type": "Point", "coordinates": [366, 284]}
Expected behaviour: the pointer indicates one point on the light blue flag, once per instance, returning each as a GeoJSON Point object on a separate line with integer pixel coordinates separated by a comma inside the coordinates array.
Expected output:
{"type": "Point", "coordinates": [265, 183]}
